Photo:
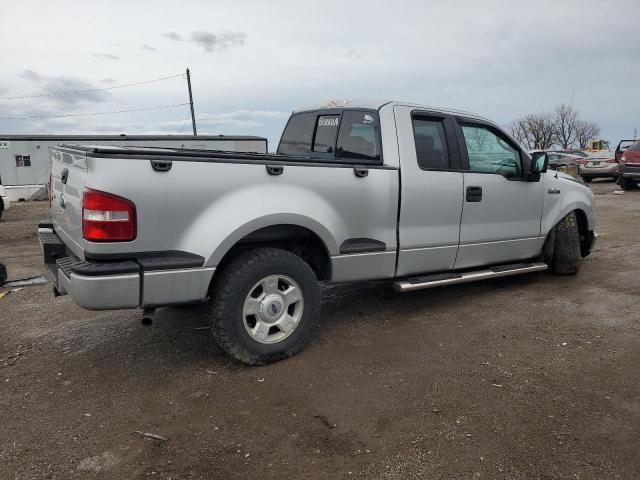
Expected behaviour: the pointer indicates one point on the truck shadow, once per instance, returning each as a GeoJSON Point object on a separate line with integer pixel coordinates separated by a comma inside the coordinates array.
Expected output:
{"type": "Point", "coordinates": [180, 339]}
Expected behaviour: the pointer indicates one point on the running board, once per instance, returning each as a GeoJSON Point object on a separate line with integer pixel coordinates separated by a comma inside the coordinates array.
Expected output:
{"type": "Point", "coordinates": [439, 280]}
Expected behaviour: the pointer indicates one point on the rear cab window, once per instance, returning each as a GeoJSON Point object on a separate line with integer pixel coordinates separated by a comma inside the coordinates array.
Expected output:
{"type": "Point", "coordinates": [342, 136]}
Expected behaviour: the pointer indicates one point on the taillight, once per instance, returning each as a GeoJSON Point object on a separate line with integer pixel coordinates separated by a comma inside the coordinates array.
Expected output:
{"type": "Point", "coordinates": [623, 159]}
{"type": "Point", "coordinates": [107, 217]}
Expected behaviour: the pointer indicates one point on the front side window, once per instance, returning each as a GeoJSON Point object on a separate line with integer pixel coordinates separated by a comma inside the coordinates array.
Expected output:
{"type": "Point", "coordinates": [296, 138]}
{"type": "Point", "coordinates": [431, 144]}
{"type": "Point", "coordinates": [490, 152]}
{"type": "Point", "coordinates": [359, 137]}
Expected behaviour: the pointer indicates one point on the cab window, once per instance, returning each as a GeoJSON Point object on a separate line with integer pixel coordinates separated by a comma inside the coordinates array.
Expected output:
{"type": "Point", "coordinates": [359, 137]}
{"type": "Point", "coordinates": [431, 144]}
{"type": "Point", "coordinates": [296, 138]}
{"type": "Point", "coordinates": [491, 152]}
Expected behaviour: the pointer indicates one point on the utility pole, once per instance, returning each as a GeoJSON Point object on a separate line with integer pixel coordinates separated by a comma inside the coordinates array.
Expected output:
{"type": "Point", "coordinates": [193, 115]}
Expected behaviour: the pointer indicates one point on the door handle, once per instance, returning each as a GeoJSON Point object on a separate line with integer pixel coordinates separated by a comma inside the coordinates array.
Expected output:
{"type": "Point", "coordinates": [474, 194]}
{"type": "Point", "coordinates": [64, 176]}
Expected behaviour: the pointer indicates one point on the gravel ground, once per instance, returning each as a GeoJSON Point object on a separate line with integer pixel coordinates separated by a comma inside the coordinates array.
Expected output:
{"type": "Point", "coordinates": [519, 378]}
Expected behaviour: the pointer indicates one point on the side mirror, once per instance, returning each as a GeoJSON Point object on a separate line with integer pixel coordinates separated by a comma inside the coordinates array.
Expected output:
{"type": "Point", "coordinates": [539, 164]}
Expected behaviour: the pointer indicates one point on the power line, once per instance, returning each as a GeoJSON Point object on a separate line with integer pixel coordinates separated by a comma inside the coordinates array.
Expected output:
{"type": "Point", "coordinates": [71, 92]}
{"type": "Point", "coordinates": [42, 117]}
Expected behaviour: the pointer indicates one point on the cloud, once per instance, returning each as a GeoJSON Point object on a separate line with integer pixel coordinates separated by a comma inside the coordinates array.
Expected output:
{"type": "Point", "coordinates": [108, 81]}
{"type": "Point", "coordinates": [218, 41]}
{"type": "Point", "coordinates": [60, 84]}
{"type": "Point", "coordinates": [108, 56]}
{"type": "Point", "coordinates": [173, 36]}
{"type": "Point", "coordinates": [148, 48]}
{"type": "Point", "coordinates": [210, 41]}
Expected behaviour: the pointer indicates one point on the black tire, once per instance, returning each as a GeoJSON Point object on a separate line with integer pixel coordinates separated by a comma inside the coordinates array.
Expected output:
{"type": "Point", "coordinates": [3, 273]}
{"type": "Point", "coordinates": [627, 184]}
{"type": "Point", "coordinates": [566, 256]}
{"type": "Point", "coordinates": [236, 281]}
{"type": "Point", "coordinates": [587, 179]}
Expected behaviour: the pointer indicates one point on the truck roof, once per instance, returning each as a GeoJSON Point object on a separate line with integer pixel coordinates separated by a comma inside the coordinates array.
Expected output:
{"type": "Point", "coordinates": [372, 104]}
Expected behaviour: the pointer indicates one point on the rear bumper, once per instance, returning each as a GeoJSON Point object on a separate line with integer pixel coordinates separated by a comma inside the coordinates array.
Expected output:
{"type": "Point", "coordinates": [151, 280]}
{"type": "Point", "coordinates": [610, 170]}
{"type": "Point", "coordinates": [630, 172]}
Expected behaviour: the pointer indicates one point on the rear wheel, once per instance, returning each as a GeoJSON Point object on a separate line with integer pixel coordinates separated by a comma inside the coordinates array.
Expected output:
{"type": "Point", "coordinates": [586, 179]}
{"type": "Point", "coordinates": [627, 183]}
{"type": "Point", "coordinates": [565, 256]}
{"type": "Point", "coordinates": [3, 273]}
{"type": "Point", "coordinates": [263, 305]}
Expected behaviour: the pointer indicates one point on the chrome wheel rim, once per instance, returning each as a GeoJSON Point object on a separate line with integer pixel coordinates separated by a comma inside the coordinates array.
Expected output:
{"type": "Point", "coordinates": [272, 309]}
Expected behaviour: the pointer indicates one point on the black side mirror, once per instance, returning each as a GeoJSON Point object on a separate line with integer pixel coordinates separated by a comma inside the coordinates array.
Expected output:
{"type": "Point", "coordinates": [539, 164]}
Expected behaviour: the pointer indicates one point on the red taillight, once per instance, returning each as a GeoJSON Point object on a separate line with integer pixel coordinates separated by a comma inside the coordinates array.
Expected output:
{"type": "Point", "coordinates": [107, 218]}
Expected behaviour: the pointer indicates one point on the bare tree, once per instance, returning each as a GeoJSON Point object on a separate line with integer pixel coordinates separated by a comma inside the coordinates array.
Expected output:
{"type": "Point", "coordinates": [585, 131]}
{"type": "Point", "coordinates": [534, 131]}
{"type": "Point", "coordinates": [518, 130]}
{"type": "Point", "coordinates": [565, 120]}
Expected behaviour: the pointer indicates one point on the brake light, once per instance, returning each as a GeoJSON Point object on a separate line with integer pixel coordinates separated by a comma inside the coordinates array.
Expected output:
{"type": "Point", "coordinates": [107, 217]}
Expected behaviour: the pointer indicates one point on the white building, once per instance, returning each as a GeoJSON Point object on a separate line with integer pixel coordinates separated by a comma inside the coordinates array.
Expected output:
{"type": "Point", "coordinates": [25, 163]}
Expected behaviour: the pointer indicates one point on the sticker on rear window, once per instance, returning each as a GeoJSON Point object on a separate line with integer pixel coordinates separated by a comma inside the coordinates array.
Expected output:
{"type": "Point", "coordinates": [328, 122]}
{"type": "Point", "coordinates": [367, 118]}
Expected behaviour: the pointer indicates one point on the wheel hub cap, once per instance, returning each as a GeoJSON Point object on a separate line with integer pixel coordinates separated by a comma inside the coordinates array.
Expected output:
{"type": "Point", "coordinates": [272, 309]}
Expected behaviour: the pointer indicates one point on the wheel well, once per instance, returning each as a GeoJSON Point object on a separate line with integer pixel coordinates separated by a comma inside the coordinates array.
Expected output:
{"type": "Point", "coordinates": [293, 238]}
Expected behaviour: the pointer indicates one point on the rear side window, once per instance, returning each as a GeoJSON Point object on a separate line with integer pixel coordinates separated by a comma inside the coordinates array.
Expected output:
{"type": "Point", "coordinates": [635, 147]}
{"type": "Point", "coordinates": [296, 139]}
{"type": "Point", "coordinates": [431, 144]}
{"type": "Point", "coordinates": [359, 137]}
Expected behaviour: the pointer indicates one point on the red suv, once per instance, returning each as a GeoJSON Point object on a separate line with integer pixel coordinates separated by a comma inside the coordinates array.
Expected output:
{"type": "Point", "coordinates": [629, 167]}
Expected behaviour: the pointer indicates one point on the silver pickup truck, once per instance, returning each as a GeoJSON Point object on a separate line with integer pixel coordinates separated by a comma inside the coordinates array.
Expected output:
{"type": "Point", "coordinates": [361, 191]}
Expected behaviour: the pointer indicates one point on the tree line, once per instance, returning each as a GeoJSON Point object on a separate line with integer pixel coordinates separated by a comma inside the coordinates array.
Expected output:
{"type": "Point", "coordinates": [563, 127]}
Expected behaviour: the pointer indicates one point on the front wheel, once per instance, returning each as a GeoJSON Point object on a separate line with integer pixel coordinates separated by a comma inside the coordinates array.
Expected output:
{"type": "Point", "coordinates": [565, 256]}
{"type": "Point", "coordinates": [263, 305]}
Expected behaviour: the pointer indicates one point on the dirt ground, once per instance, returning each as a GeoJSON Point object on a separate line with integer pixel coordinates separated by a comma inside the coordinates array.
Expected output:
{"type": "Point", "coordinates": [532, 377]}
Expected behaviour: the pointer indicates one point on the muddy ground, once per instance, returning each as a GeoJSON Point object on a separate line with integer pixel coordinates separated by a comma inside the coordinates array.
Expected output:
{"type": "Point", "coordinates": [520, 378]}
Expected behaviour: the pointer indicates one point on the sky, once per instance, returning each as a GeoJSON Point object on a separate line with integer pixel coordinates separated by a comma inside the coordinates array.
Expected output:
{"type": "Point", "coordinates": [253, 62]}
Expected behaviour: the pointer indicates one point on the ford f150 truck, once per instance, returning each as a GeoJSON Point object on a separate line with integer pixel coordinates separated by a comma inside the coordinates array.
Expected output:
{"type": "Point", "coordinates": [361, 191]}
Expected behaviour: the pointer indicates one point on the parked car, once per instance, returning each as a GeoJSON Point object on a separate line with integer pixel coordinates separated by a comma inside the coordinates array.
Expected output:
{"type": "Point", "coordinates": [5, 203]}
{"type": "Point", "coordinates": [629, 167]}
{"type": "Point", "coordinates": [562, 159]}
{"type": "Point", "coordinates": [364, 191]}
{"type": "Point", "coordinates": [599, 165]}
{"type": "Point", "coordinates": [622, 146]}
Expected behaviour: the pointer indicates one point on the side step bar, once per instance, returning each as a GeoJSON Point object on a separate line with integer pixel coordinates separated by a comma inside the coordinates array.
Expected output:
{"type": "Point", "coordinates": [439, 280]}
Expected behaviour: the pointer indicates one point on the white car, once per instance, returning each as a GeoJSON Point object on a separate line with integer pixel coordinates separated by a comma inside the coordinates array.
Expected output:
{"type": "Point", "coordinates": [5, 203]}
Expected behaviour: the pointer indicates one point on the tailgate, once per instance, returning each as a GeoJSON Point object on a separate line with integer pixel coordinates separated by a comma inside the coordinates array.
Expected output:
{"type": "Point", "coordinates": [68, 178]}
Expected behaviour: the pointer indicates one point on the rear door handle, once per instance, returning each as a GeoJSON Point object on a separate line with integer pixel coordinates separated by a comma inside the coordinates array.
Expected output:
{"type": "Point", "coordinates": [474, 194]}
{"type": "Point", "coordinates": [64, 176]}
